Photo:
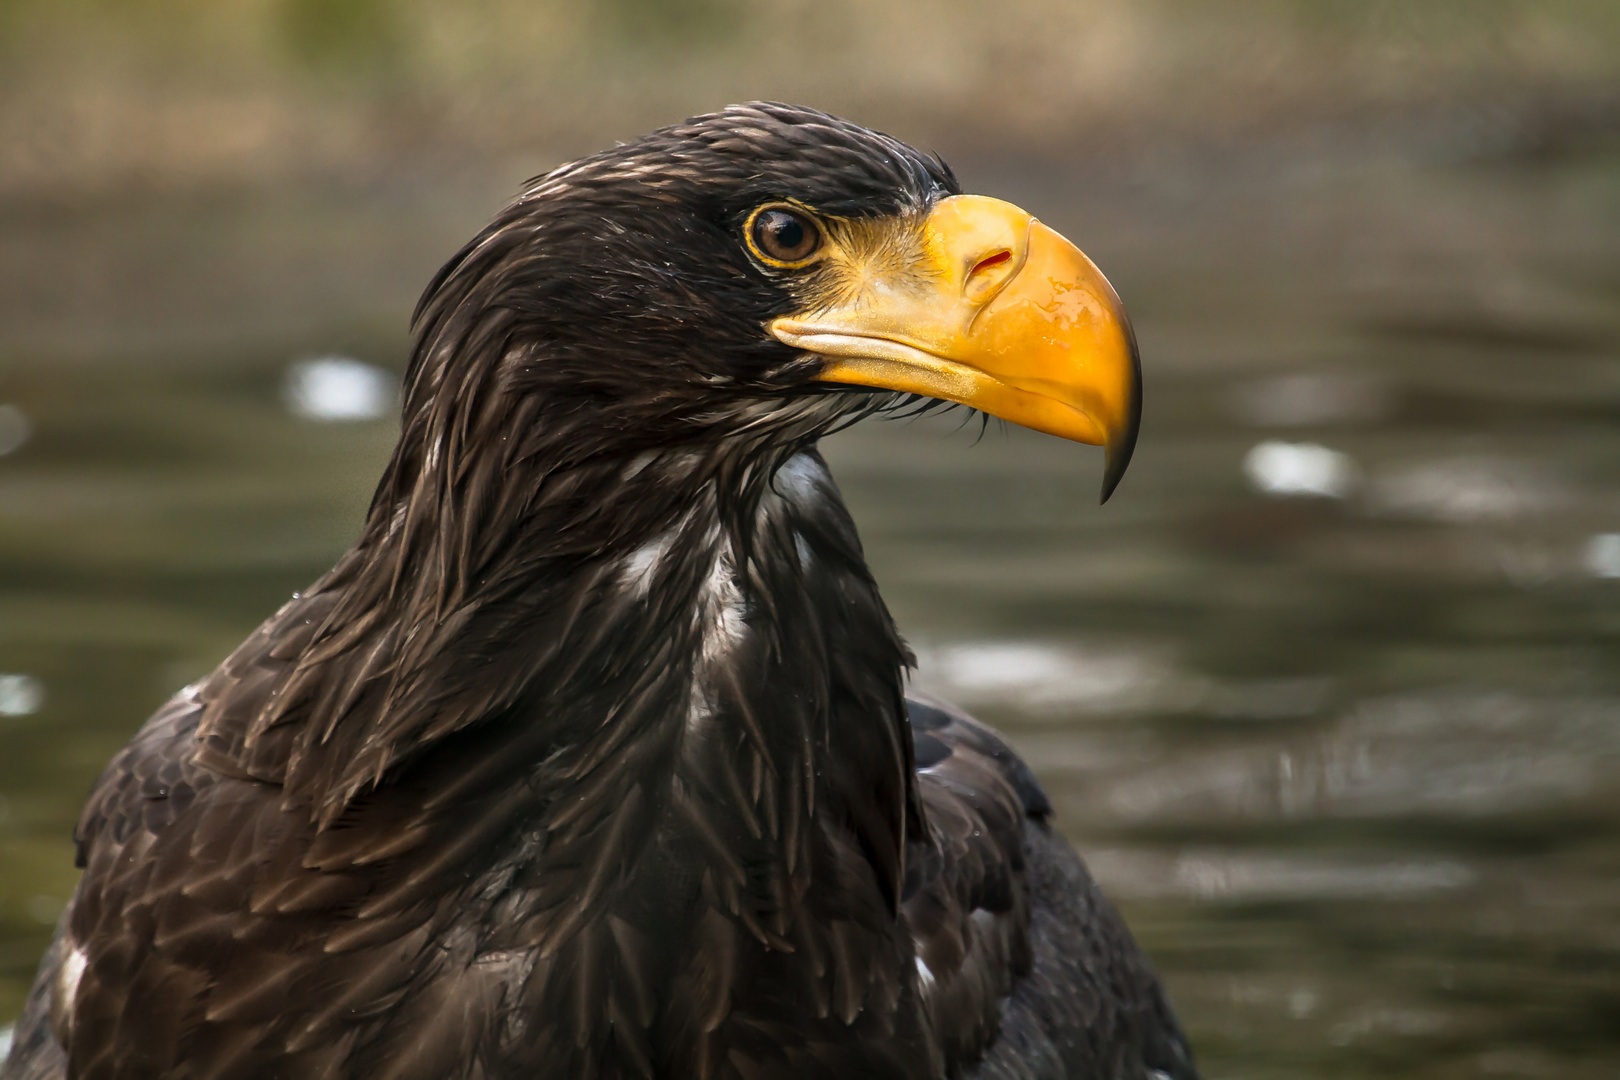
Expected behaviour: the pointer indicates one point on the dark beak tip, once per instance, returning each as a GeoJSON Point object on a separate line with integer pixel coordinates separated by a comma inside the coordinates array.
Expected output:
{"type": "Point", "coordinates": [1119, 456]}
{"type": "Point", "coordinates": [1123, 444]}
{"type": "Point", "coordinates": [1111, 479]}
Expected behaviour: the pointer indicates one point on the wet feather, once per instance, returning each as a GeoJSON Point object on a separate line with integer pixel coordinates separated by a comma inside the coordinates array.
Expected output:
{"type": "Point", "coordinates": [592, 758]}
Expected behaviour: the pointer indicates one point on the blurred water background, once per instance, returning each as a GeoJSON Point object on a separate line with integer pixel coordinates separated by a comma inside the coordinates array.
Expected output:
{"type": "Point", "coordinates": [1328, 692]}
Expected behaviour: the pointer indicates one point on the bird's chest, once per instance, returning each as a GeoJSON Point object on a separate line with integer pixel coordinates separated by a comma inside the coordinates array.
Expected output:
{"type": "Point", "coordinates": [700, 884]}
{"type": "Point", "coordinates": [666, 933]}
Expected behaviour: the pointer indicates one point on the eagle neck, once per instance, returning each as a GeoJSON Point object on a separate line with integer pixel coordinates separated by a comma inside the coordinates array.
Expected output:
{"type": "Point", "coordinates": [669, 735]}
{"type": "Point", "coordinates": [742, 788]}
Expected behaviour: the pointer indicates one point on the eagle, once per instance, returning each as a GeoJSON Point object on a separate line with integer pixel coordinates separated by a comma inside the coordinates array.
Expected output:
{"type": "Point", "coordinates": [593, 758]}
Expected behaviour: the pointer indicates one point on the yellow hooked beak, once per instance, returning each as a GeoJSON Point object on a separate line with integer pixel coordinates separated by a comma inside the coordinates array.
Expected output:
{"type": "Point", "coordinates": [1002, 314]}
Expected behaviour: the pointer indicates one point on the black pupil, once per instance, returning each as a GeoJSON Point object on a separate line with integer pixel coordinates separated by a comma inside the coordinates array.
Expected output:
{"type": "Point", "coordinates": [786, 231]}
{"type": "Point", "coordinates": [783, 236]}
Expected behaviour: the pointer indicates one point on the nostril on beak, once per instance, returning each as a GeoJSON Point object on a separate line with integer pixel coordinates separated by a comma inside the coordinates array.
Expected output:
{"type": "Point", "coordinates": [989, 262]}
{"type": "Point", "coordinates": [983, 278]}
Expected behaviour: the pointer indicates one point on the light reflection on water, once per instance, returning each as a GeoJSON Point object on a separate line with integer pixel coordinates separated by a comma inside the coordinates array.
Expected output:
{"type": "Point", "coordinates": [1288, 470]}
{"type": "Point", "coordinates": [1351, 765]}
{"type": "Point", "coordinates": [339, 388]}
{"type": "Point", "coordinates": [20, 695]}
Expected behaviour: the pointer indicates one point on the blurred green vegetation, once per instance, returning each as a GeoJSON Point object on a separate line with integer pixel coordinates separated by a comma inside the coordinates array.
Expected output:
{"type": "Point", "coordinates": [348, 32]}
{"type": "Point", "coordinates": [491, 37]}
{"type": "Point", "coordinates": [97, 94]}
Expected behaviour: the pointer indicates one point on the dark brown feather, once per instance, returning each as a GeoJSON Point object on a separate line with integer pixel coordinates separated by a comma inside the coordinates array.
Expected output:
{"type": "Point", "coordinates": [591, 759]}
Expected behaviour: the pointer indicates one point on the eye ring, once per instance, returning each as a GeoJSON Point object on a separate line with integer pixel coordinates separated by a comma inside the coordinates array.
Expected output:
{"type": "Point", "coordinates": [783, 235]}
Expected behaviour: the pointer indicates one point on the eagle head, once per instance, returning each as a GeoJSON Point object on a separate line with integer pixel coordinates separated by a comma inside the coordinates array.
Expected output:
{"type": "Point", "coordinates": [759, 276]}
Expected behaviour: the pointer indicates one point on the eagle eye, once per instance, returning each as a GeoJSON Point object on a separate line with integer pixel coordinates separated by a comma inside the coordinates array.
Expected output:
{"type": "Point", "coordinates": [783, 236]}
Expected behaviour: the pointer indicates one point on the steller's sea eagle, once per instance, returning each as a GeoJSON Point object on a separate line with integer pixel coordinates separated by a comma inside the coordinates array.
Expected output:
{"type": "Point", "coordinates": [592, 759]}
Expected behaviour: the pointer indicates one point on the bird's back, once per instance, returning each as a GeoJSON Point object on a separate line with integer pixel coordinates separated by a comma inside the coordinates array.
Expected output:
{"type": "Point", "coordinates": [1034, 973]}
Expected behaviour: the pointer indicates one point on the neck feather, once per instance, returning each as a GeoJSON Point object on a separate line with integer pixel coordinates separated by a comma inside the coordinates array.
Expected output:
{"type": "Point", "coordinates": [715, 608]}
{"type": "Point", "coordinates": [629, 759]}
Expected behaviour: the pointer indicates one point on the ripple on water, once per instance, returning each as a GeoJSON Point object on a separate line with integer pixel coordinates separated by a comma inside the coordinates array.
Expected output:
{"type": "Point", "coordinates": [1469, 489]}
{"type": "Point", "coordinates": [1452, 754]}
{"type": "Point", "coordinates": [1248, 876]}
{"type": "Point", "coordinates": [1051, 677]}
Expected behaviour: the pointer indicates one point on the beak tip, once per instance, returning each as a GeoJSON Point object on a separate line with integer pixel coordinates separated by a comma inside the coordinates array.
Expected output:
{"type": "Point", "coordinates": [1123, 443]}
{"type": "Point", "coordinates": [1110, 482]}
{"type": "Point", "coordinates": [1114, 472]}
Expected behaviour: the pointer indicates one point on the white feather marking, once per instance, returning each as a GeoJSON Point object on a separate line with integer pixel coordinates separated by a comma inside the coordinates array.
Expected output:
{"type": "Point", "coordinates": [925, 975]}
{"type": "Point", "coordinates": [721, 602]}
{"type": "Point", "coordinates": [721, 612]}
{"type": "Point", "coordinates": [640, 564]}
{"type": "Point", "coordinates": [72, 970]}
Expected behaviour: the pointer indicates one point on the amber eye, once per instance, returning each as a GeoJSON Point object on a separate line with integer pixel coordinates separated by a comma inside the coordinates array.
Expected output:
{"type": "Point", "coordinates": [784, 236]}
